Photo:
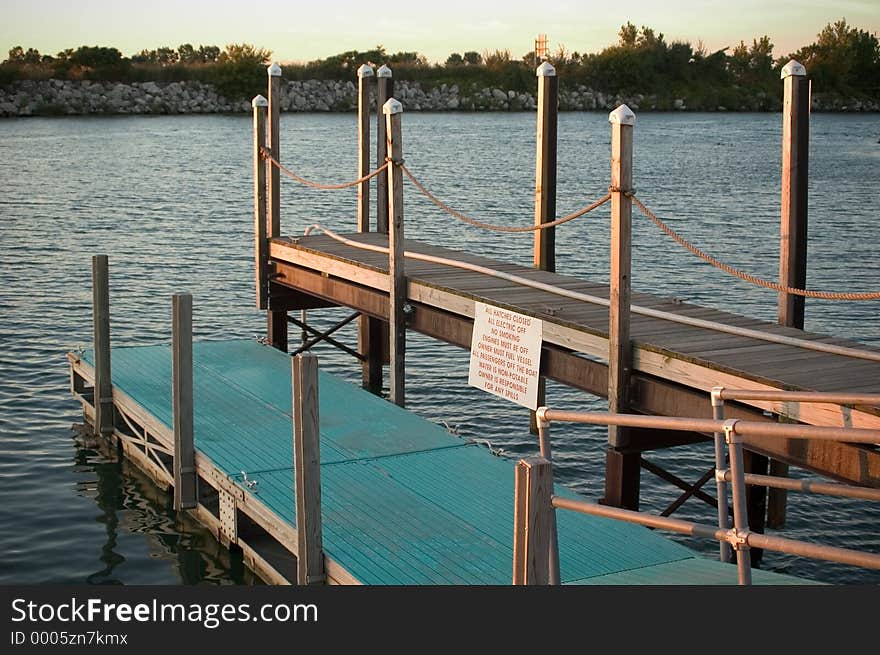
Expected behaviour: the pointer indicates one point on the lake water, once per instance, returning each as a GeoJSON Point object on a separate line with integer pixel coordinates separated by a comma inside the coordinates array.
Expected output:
{"type": "Point", "coordinates": [169, 199]}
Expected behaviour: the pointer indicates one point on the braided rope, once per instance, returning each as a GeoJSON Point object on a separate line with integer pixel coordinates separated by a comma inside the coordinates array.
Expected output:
{"type": "Point", "coordinates": [316, 185]}
{"type": "Point", "coordinates": [499, 228]}
{"type": "Point", "coordinates": [752, 279]}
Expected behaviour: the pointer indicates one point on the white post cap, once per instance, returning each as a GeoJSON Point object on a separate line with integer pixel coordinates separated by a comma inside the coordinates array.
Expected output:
{"type": "Point", "coordinates": [623, 115]}
{"type": "Point", "coordinates": [259, 101]}
{"type": "Point", "coordinates": [383, 71]}
{"type": "Point", "coordinates": [365, 71]}
{"type": "Point", "coordinates": [545, 70]}
{"type": "Point", "coordinates": [792, 68]}
{"type": "Point", "coordinates": [274, 70]}
{"type": "Point", "coordinates": [392, 107]}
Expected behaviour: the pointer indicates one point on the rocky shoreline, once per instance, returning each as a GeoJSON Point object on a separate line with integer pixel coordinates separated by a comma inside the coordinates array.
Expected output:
{"type": "Point", "coordinates": [80, 98]}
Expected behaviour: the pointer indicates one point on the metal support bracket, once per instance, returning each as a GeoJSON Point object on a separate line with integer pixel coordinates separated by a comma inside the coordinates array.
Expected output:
{"type": "Point", "coordinates": [715, 394]}
{"type": "Point", "coordinates": [228, 517]}
{"type": "Point", "coordinates": [739, 539]}
{"type": "Point", "coordinates": [541, 417]}
{"type": "Point", "coordinates": [721, 475]}
{"type": "Point", "coordinates": [731, 436]}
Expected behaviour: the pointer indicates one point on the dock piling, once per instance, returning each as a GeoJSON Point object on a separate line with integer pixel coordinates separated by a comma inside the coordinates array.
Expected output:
{"type": "Point", "coordinates": [793, 231]}
{"type": "Point", "coordinates": [393, 111]}
{"type": "Point", "coordinates": [276, 328]}
{"type": "Point", "coordinates": [369, 328]}
{"type": "Point", "coordinates": [384, 92]}
{"type": "Point", "coordinates": [185, 494]}
{"type": "Point", "coordinates": [103, 399]}
{"type": "Point", "coordinates": [532, 522]}
{"type": "Point", "coordinates": [261, 244]}
{"type": "Point", "coordinates": [545, 186]}
{"type": "Point", "coordinates": [545, 166]}
{"type": "Point", "coordinates": [795, 173]}
{"type": "Point", "coordinates": [307, 469]}
{"type": "Point", "coordinates": [622, 465]}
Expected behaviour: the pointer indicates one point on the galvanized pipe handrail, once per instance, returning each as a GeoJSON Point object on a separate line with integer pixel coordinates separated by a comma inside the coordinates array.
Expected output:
{"type": "Point", "coordinates": [745, 428]}
{"type": "Point", "coordinates": [798, 396]}
{"type": "Point", "coordinates": [752, 539]}
{"type": "Point", "coordinates": [808, 486]}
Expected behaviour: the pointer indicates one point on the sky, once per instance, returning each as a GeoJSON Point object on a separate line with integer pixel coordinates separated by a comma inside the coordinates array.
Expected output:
{"type": "Point", "coordinates": [298, 31]}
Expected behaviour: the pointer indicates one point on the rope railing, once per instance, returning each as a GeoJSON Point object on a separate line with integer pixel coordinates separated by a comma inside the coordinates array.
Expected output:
{"type": "Point", "coordinates": [317, 185]}
{"type": "Point", "coordinates": [747, 277]}
{"type": "Point", "coordinates": [499, 228]}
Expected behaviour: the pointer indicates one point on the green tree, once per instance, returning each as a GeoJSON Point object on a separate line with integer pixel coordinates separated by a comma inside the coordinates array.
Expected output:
{"type": "Point", "coordinates": [472, 58]}
{"type": "Point", "coordinates": [244, 53]}
{"type": "Point", "coordinates": [186, 54]}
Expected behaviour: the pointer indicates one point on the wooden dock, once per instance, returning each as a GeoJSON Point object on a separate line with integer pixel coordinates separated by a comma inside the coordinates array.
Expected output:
{"type": "Point", "coordinates": [675, 366]}
{"type": "Point", "coordinates": [403, 501]}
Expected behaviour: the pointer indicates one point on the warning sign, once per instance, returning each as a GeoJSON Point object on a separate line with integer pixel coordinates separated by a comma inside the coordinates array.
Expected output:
{"type": "Point", "coordinates": [506, 354]}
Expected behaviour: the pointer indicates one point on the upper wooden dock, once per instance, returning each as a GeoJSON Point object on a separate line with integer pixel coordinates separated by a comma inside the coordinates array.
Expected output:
{"type": "Point", "coordinates": [403, 501]}
{"type": "Point", "coordinates": [675, 365]}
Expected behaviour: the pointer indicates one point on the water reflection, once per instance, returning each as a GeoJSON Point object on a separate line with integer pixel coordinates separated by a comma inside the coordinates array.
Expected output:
{"type": "Point", "coordinates": [130, 503]}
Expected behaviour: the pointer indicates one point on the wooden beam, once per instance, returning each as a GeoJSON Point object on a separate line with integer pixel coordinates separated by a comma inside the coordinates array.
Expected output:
{"type": "Point", "coordinates": [393, 111]}
{"type": "Point", "coordinates": [307, 467]}
{"type": "Point", "coordinates": [622, 478]}
{"type": "Point", "coordinates": [104, 413]}
{"type": "Point", "coordinates": [276, 321]}
{"type": "Point", "coordinates": [532, 521]}
{"type": "Point", "coordinates": [261, 244]}
{"type": "Point", "coordinates": [185, 478]}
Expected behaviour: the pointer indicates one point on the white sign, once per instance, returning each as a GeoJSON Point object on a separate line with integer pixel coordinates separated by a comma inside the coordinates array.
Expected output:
{"type": "Point", "coordinates": [506, 354]}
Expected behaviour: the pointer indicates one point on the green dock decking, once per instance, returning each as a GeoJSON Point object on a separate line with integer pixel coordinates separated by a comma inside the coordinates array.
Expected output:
{"type": "Point", "coordinates": [403, 501]}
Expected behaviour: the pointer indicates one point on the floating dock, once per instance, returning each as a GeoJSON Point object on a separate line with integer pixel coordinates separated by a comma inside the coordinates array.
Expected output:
{"type": "Point", "coordinates": [403, 501]}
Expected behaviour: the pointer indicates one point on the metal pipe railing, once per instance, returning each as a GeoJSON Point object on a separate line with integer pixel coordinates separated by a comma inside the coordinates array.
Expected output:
{"type": "Point", "coordinates": [733, 431]}
{"type": "Point", "coordinates": [809, 486]}
{"type": "Point", "coordinates": [752, 539]}
{"type": "Point", "coordinates": [720, 480]}
{"type": "Point", "coordinates": [745, 428]}
{"type": "Point", "coordinates": [798, 396]}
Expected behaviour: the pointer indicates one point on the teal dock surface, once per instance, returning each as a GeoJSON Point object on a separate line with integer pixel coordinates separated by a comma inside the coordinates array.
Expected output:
{"type": "Point", "coordinates": [403, 501]}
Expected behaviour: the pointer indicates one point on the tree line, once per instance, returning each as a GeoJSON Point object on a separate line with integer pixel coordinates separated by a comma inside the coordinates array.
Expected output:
{"type": "Point", "coordinates": [843, 59]}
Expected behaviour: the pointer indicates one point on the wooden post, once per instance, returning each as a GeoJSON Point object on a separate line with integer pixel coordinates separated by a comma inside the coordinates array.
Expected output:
{"type": "Point", "coordinates": [621, 468]}
{"type": "Point", "coordinates": [384, 91]}
{"type": "Point", "coordinates": [103, 399]}
{"type": "Point", "coordinates": [365, 75]}
{"type": "Point", "coordinates": [393, 111]}
{"type": "Point", "coordinates": [276, 328]}
{"type": "Point", "coordinates": [261, 244]}
{"type": "Point", "coordinates": [369, 328]}
{"type": "Point", "coordinates": [795, 162]}
{"type": "Point", "coordinates": [185, 495]}
{"type": "Point", "coordinates": [793, 240]}
{"type": "Point", "coordinates": [307, 470]}
{"type": "Point", "coordinates": [545, 186]}
{"type": "Point", "coordinates": [545, 166]}
{"type": "Point", "coordinates": [531, 522]}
